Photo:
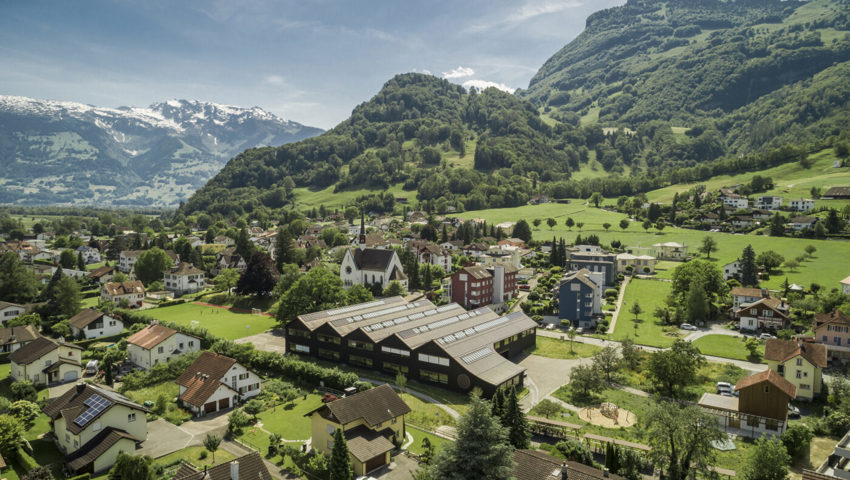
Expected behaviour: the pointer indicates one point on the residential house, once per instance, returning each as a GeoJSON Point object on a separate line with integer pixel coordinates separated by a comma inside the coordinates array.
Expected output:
{"type": "Point", "coordinates": [580, 297]}
{"type": "Point", "coordinates": [371, 421]}
{"type": "Point", "coordinates": [228, 258]}
{"type": "Point", "coordinates": [432, 254]}
{"type": "Point", "coordinates": [367, 266]}
{"type": "Point", "coordinates": [184, 278]}
{"type": "Point", "coordinates": [45, 361]}
{"type": "Point", "coordinates": [836, 193]}
{"type": "Point", "coordinates": [513, 242]}
{"type": "Point", "coordinates": [156, 343]}
{"type": "Point", "coordinates": [25, 250]}
{"type": "Point", "coordinates": [478, 285]}
{"type": "Point", "coordinates": [595, 261]}
{"type": "Point", "coordinates": [195, 241]}
{"type": "Point", "coordinates": [102, 275]}
{"type": "Point", "coordinates": [801, 363]}
{"type": "Point", "coordinates": [732, 270]}
{"type": "Point", "coordinates": [761, 407]}
{"type": "Point", "coordinates": [537, 465]}
{"type": "Point", "coordinates": [215, 382]}
{"type": "Point", "coordinates": [127, 259]}
{"type": "Point", "coordinates": [446, 345]}
{"type": "Point", "coordinates": [801, 223]}
{"type": "Point", "coordinates": [742, 221]}
{"type": "Point", "coordinates": [833, 331]}
{"type": "Point", "coordinates": [735, 201]}
{"type": "Point", "coordinates": [671, 251]}
{"type": "Point", "coordinates": [802, 204]}
{"type": "Point", "coordinates": [90, 255]}
{"type": "Point", "coordinates": [845, 286]}
{"type": "Point", "coordinates": [768, 202]}
{"type": "Point", "coordinates": [92, 425]}
{"type": "Point", "coordinates": [835, 466]}
{"type": "Point", "coordinates": [640, 264]}
{"type": "Point", "coordinates": [746, 295]}
{"type": "Point", "coordinates": [13, 338]}
{"type": "Point", "coordinates": [767, 313]}
{"type": "Point", "coordinates": [90, 323]}
{"type": "Point", "coordinates": [495, 255]}
{"type": "Point", "coordinates": [116, 292]}
{"type": "Point", "coordinates": [247, 467]}
{"type": "Point", "coordinates": [224, 240]}
{"type": "Point", "coordinates": [9, 311]}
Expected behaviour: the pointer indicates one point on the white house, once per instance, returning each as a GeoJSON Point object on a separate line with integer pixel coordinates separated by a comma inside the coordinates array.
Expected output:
{"type": "Point", "coordinates": [156, 343]}
{"type": "Point", "coordinates": [637, 262]}
{"type": "Point", "coordinates": [215, 382]}
{"type": "Point", "coordinates": [90, 255]}
{"type": "Point", "coordinates": [183, 278]}
{"type": "Point", "coordinates": [9, 311]}
{"type": "Point", "coordinates": [735, 201]}
{"type": "Point", "coordinates": [845, 286]}
{"type": "Point", "coordinates": [802, 204]}
{"type": "Point", "coordinates": [671, 251]}
{"type": "Point", "coordinates": [127, 259]}
{"type": "Point", "coordinates": [800, 223]}
{"type": "Point", "coordinates": [13, 338]}
{"type": "Point", "coordinates": [367, 266]}
{"type": "Point", "coordinates": [91, 323]}
{"type": "Point", "coordinates": [433, 254]}
{"type": "Point", "coordinates": [46, 361]}
{"type": "Point", "coordinates": [768, 202]}
{"type": "Point", "coordinates": [732, 270]}
{"type": "Point", "coordinates": [92, 425]}
{"type": "Point", "coordinates": [133, 292]}
{"type": "Point", "coordinates": [224, 240]}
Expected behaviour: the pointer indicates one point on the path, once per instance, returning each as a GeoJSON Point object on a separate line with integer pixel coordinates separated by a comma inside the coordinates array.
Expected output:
{"type": "Point", "coordinates": [562, 403]}
{"type": "Point", "coordinates": [714, 329]}
{"type": "Point", "coordinates": [545, 375]}
{"type": "Point", "coordinates": [422, 396]}
{"type": "Point", "coordinates": [619, 305]}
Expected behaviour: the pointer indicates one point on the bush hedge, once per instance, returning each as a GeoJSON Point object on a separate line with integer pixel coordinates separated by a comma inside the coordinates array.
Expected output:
{"type": "Point", "coordinates": [26, 461]}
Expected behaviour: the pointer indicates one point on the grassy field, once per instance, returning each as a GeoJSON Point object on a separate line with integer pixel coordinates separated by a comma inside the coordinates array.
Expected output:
{"type": "Point", "coordinates": [425, 414]}
{"type": "Point", "coordinates": [418, 435]}
{"type": "Point", "coordinates": [822, 268]}
{"type": "Point", "coordinates": [554, 348]}
{"type": "Point", "coordinates": [288, 420]}
{"type": "Point", "coordinates": [173, 413]}
{"type": "Point", "coordinates": [306, 198]}
{"type": "Point", "coordinates": [219, 321]}
{"type": "Point", "coordinates": [727, 347]}
{"type": "Point", "coordinates": [649, 294]}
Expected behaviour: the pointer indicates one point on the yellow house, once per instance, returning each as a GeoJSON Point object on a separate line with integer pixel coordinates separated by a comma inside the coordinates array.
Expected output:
{"type": "Point", "coordinates": [372, 421]}
{"type": "Point", "coordinates": [45, 361]}
{"type": "Point", "coordinates": [92, 426]}
{"type": "Point", "coordinates": [801, 363]}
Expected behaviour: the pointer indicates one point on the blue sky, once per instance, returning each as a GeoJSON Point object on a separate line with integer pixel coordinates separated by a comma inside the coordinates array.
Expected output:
{"type": "Point", "coordinates": [308, 61]}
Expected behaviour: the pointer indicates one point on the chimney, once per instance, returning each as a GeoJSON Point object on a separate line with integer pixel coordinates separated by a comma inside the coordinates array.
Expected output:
{"type": "Point", "coordinates": [80, 387]}
{"type": "Point", "coordinates": [234, 470]}
{"type": "Point", "coordinates": [564, 471]}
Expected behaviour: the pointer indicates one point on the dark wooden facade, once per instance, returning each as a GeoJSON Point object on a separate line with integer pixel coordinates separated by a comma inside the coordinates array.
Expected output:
{"type": "Point", "coordinates": [764, 399]}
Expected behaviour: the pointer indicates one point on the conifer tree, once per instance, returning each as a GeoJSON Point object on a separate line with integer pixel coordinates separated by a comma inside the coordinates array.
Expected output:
{"type": "Point", "coordinates": [282, 248]}
{"type": "Point", "coordinates": [514, 419]}
{"type": "Point", "coordinates": [749, 276]}
{"type": "Point", "coordinates": [497, 403]}
{"type": "Point", "coordinates": [340, 463]}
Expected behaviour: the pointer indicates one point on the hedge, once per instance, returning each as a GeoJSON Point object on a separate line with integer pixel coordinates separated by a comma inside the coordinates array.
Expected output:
{"type": "Point", "coordinates": [161, 372]}
{"type": "Point", "coordinates": [26, 461]}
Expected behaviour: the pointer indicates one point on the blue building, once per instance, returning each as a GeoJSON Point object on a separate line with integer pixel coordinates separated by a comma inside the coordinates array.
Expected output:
{"type": "Point", "coordinates": [580, 298]}
{"type": "Point", "coordinates": [594, 259]}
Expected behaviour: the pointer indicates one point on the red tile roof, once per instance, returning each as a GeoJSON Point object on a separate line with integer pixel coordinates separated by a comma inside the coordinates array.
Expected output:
{"type": "Point", "coordinates": [151, 336]}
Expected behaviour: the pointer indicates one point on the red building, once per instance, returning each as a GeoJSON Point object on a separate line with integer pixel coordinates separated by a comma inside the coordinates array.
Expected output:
{"type": "Point", "coordinates": [479, 285]}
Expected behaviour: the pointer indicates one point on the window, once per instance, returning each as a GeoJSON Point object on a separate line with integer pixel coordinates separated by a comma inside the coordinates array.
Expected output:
{"type": "Point", "coordinates": [330, 444]}
{"type": "Point", "coordinates": [360, 345]}
{"type": "Point", "coordinates": [297, 333]}
{"type": "Point", "coordinates": [395, 367]}
{"type": "Point", "coordinates": [837, 340]}
{"type": "Point", "coordinates": [181, 346]}
{"type": "Point", "coordinates": [434, 359]}
{"type": "Point", "coordinates": [243, 376]}
{"type": "Point", "coordinates": [131, 417]}
{"type": "Point", "coordinates": [76, 444]}
{"type": "Point", "coordinates": [327, 339]}
{"type": "Point", "coordinates": [358, 360]}
{"type": "Point", "coordinates": [754, 311]}
{"type": "Point", "coordinates": [434, 376]}
{"type": "Point", "coordinates": [67, 438]}
{"type": "Point", "coordinates": [396, 351]}
{"type": "Point", "coordinates": [799, 361]}
{"type": "Point", "coordinates": [395, 420]}
{"type": "Point", "coordinates": [299, 348]}
{"type": "Point", "coordinates": [160, 349]}
{"type": "Point", "coordinates": [805, 386]}
{"type": "Point", "coordinates": [766, 389]}
{"type": "Point", "coordinates": [191, 343]}
{"type": "Point", "coordinates": [329, 354]}
{"type": "Point", "coordinates": [799, 374]}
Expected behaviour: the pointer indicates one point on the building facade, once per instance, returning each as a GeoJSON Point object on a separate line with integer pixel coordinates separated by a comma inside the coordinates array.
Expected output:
{"type": "Point", "coordinates": [580, 298]}
{"type": "Point", "coordinates": [158, 344]}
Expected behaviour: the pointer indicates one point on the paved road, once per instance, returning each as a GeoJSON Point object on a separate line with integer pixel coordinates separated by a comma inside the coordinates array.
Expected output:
{"type": "Point", "coordinates": [546, 375]}
{"type": "Point", "coordinates": [619, 305]}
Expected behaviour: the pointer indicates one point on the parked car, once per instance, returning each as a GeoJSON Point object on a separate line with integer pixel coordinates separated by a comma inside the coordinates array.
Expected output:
{"type": "Point", "coordinates": [525, 287]}
{"type": "Point", "coordinates": [793, 411]}
{"type": "Point", "coordinates": [726, 385]}
{"type": "Point", "coordinates": [687, 326]}
{"type": "Point", "coordinates": [550, 326]}
{"type": "Point", "coordinates": [766, 336]}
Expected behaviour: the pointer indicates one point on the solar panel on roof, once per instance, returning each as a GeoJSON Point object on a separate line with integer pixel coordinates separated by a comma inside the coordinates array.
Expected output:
{"type": "Point", "coordinates": [476, 355]}
{"type": "Point", "coordinates": [446, 308]}
{"type": "Point", "coordinates": [96, 404]}
{"type": "Point", "coordinates": [353, 308]}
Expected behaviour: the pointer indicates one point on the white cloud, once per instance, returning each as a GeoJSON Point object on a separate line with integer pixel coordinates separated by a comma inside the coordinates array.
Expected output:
{"type": "Point", "coordinates": [275, 81]}
{"type": "Point", "coordinates": [482, 84]}
{"type": "Point", "coordinates": [459, 72]}
{"type": "Point", "coordinates": [529, 10]}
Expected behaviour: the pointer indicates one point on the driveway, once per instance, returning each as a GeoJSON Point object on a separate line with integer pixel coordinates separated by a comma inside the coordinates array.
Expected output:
{"type": "Point", "coordinates": [163, 438]}
{"type": "Point", "coordinates": [198, 428]}
{"type": "Point", "coordinates": [271, 341]}
{"type": "Point", "coordinates": [544, 376]}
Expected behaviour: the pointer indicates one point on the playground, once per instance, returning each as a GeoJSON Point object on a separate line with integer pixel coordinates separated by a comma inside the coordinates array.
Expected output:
{"type": "Point", "coordinates": [608, 415]}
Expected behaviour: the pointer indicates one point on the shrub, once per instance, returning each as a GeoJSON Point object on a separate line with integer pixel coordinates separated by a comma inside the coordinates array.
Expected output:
{"type": "Point", "coordinates": [159, 373]}
{"type": "Point", "coordinates": [611, 292]}
{"type": "Point", "coordinates": [202, 455]}
{"type": "Point", "coordinates": [26, 461]}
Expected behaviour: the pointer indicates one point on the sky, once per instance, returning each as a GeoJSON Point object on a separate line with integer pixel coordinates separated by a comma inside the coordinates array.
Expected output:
{"type": "Point", "coordinates": [307, 61]}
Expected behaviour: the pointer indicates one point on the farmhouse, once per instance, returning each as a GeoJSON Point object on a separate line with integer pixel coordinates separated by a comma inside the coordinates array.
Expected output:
{"type": "Point", "coordinates": [156, 343]}
{"type": "Point", "coordinates": [836, 193]}
{"type": "Point", "coordinates": [372, 422]}
{"type": "Point", "coordinates": [116, 292]}
{"type": "Point", "coordinates": [368, 266]}
{"type": "Point", "coordinates": [13, 338]}
{"type": "Point", "coordinates": [732, 270]}
{"type": "Point", "coordinates": [92, 425]}
{"type": "Point", "coordinates": [833, 331]}
{"type": "Point", "coordinates": [444, 345]}
{"type": "Point", "coordinates": [102, 275]}
{"type": "Point", "coordinates": [183, 279]}
{"type": "Point", "coordinates": [761, 407]}
{"type": "Point", "coordinates": [215, 382]}
{"type": "Point", "coordinates": [91, 323]}
{"type": "Point", "coordinates": [801, 363]}
{"type": "Point", "coordinates": [45, 361]}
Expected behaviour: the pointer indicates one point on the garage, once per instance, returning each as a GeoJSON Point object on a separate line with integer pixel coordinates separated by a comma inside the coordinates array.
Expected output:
{"type": "Point", "coordinates": [224, 403]}
{"type": "Point", "coordinates": [209, 407]}
{"type": "Point", "coordinates": [70, 376]}
{"type": "Point", "coordinates": [376, 462]}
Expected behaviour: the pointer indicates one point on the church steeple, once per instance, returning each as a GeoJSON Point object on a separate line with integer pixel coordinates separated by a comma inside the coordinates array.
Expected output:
{"type": "Point", "coordinates": [362, 229]}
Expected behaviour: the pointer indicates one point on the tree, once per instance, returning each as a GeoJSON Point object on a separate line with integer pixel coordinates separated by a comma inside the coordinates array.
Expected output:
{"type": "Point", "coordinates": [749, 273]}
{"type": "Point", "coordinates": [24, 390]}
{"type": "Point", "coordinates": [318, 290]}
{"type": "Point", "coordinates": [522, 231]}
{"type": "Point", "coordinates": [767, 460]}
{"type": "Point", "coordinates": [283, 249]}
{"type": "Point", "coordinates": [646, 225]}
{"type": "Point", "coordinates": [629, 352]}
{"type": "Point", "coordinates": [703, 271]}
{"type": "Point", "coordinates": [253, 407]}
{"type": "Point", "coordinates": [244, 246]}
{"type": "Point", "coordinates": [226, 280]}
{"type": "Point", "coordinates": [514, 420]}
{"type": "Point", "coordinates": [709, 244]}
{"type": "Point", "coordinates": [67, 259]}
{"type": "Point", "coordinates": [624, 224]}
{"type": "Point", "coordinates": [596, 198]}
{"type": "Point", "coordinates": [427, 451]}
{"type": "Point", "coordinates": [131, 467]}
{"type": "Point", "coordinates": [17, 283]}
{"type": "Point", "coordinates": [584, 380]}
{"type": "Point", "coordinates": [400, 381]}
{"type": "Point", "coordinates": [791, 264]}
{"type": "Point", "coordinates": [571, 334]}
{"type": "Point", "coordinates": [482, 449]}
{"type": "Point", "coordinates": [681, 439]}
{"type": "Point", "coordinates": [66, 298]}
{"type": "Point", "coordinates": [359, 294]}
{"type": "Point", "coordinates": [551, 222]}
{"type": "Point", "coordinates": [536, 222]}
{"type": "Point", "coordinates": [777, 225]}
{"type": "Point", "coordinates": [796, 439]}
{"type": "Point", "coordinates": [770, 260]}
{"type": "Point", "coordinates": [569, 222]}
{"type": "Point", "coordinates": [579, 225]}
{"type": "Point", "coordinates": [211, 443]}
{"type": "Point", "coordinates": [674, 368]}
{"type": "Point", "coordinates": [752, 346]}
{"type": "Point", "coordinates": [26, 412]}
{"type": "Point", "coordinates": [11, 435]}
{"type": "Point", "coordinates": [151, 264]}
{"type": "Point", "coordinates": [81, 262]}
{"type": "Point", "coordinates": [606, 226]}
{"type": "Point", "coordinates": [340, 463]}
{"type": "Point", "coordinates": [260, 276]}
{"type": "Point", "coordinates": [697, 304]}
{"type": "Point", "coordinates": [393, 289]}
{"type": "Point", "coordinates": [607, 361]}
{"type": "Point", "coordinates": [636, 310]}
{"type": "Point", "coordinates": [547, 408]}
{"type": "Point", "coordinates": [497, 403]}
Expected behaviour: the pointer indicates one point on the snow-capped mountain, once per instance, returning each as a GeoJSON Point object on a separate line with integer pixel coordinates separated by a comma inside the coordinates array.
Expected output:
{"type": "Point", "coordinates": [55, 152]}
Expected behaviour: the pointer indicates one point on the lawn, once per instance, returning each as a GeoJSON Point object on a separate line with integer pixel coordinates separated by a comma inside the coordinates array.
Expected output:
{"type": "Point", "coordinates": [705, 382]}
{"type": "Point", "coordinates": [306, 198]}
{"type": "Point", "coordinates": [288, 420]}
{"type": "Point", "coordinates": [554, 348]}
{"type": "Point", "coordinates": [193, 455]}
{"type": "Point", "coordinates": [173, 413]}
{"type": "Point", "coordinates": [425, 414]}
{"type": "Point", "coordinates": [219, 321]}
{"type": "Point", "coordinates": [418, 435]}
{"type": "Point", "coordinates": [727, 346]}
{"type": "Point", "coordinates": [649, 294]}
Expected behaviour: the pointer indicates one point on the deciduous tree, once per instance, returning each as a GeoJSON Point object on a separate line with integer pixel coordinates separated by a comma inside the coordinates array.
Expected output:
{"type": "Point", "coordinates": [767, 460]}
{"type": "Point", "coordinates": [709, 244]}
{"type": "Point", "coordinates": [672, 369]}
{"type": "Point", "coordinates": [151, 264]}
{"type": "Point", "coordinates": [681, 439]}
{"type": "Point", "coordinates": [260, 276]}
